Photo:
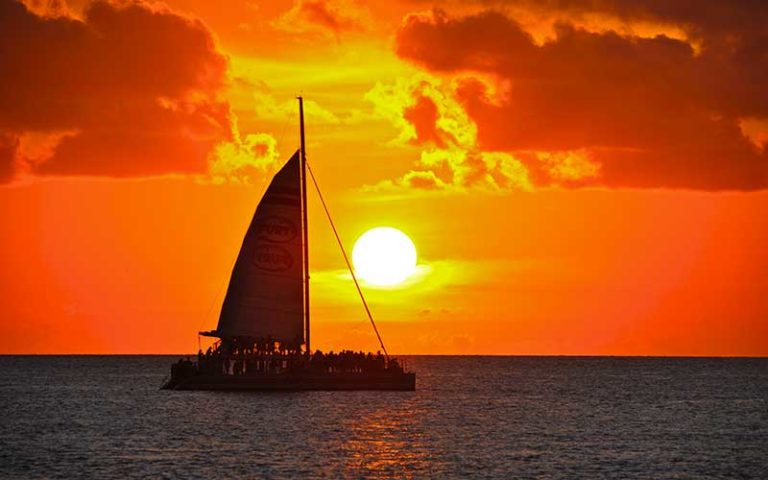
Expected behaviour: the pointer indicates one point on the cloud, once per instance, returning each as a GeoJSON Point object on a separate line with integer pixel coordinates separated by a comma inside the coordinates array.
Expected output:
{"type": "Point", "coordinates": [326, 17]}
{"type": "Point", "coordinates": [756, 130]}
{"type": "Point", "coordinates": [49, 8]}
{"type": "Point", "coordinates": [423, 116]}
{"type": "Point", "coordinates": [244, 159]}
{"type": "Point", "coordinates": [270, 109]}
{"type": "Point", "coordinates": [569, 166]}
{"type": "Point", "coordinates": [424, 111]}
{"type": "Point", "coordinates": [8, 147]}
{"type": "Point", "coordinates": [706, 20]}
{"type": "Point", "coordinates": [428, 114]}
{"type": "Point", "coordinates": [645, 112]}
{"type": "Point", "coordinates": [134, 84]}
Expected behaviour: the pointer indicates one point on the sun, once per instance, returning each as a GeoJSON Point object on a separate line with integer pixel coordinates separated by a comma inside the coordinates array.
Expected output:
{"type": "Point", "coordinates": [384, 256]}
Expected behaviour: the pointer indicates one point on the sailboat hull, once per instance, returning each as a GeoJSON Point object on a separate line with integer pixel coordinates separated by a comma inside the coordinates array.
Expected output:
{"type": "Point", "coordinates": [297, 382]}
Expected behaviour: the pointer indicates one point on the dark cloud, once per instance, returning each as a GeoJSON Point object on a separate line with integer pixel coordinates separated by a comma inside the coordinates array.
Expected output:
{"type": "Point", "coordinates": [423, 116]}
{"type": "Point", "coordinates": [136, 84]}
{"type": "Point", "coordinates": [322, 12]}
{"type": "Point", "coordinates": [8, 147]}
{"type": "Point", "coordinates": [710, 21]}
{"type": "Point", "coordinates": [704, 19]}
{"type": "Point", "coordinates": [653, 112]}
{"type": "Point", "coordinates": [328, 16]}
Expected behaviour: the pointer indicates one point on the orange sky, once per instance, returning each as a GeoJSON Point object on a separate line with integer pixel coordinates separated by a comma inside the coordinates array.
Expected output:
{"type": "Point", "coordinates": [578, 177]}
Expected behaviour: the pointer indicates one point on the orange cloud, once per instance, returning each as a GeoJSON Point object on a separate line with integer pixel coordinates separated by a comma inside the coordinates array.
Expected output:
{"type": "Point", "coordinates": [651, 112]}
{"type": "Point", "coordinates": [323, 16]}
{"type": "Point", "coordinates": [756, 130]}
{"type": "Point", "coordinates": [136, 82]}
{"type": "Point", "coordinates": [569, 166]}
{"type": "Point", "coordinates": [8, 147]}
{"type": "Point", "coordinates": [423, 116]}
{"type": "Point", "coordinates": [323, 13]}
{"type": "Point", "coordinates": [244, 159]}
{"type": "Point", "coordinates": [709, 21]}
{"type": "Point", "coordinates": [51, 8]}
{"type": "Point", "coordinates": [429, 116]}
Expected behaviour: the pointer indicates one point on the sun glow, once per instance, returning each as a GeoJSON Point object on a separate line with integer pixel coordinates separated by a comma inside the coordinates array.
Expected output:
{"type": "Point", "coordinates": [384, 256]}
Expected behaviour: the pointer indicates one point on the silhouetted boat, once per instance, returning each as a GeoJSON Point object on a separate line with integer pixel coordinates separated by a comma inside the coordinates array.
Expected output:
{"type": "Point", "coordinates": [264, 328]}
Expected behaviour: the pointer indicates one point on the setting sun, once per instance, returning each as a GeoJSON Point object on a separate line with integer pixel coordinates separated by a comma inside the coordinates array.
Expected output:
{"type": "Point", "coordinates": [384, 256]}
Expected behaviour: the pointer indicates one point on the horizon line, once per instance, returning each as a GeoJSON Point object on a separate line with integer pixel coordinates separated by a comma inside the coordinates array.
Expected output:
{"type": "Point", "coordinates": [758, 356]}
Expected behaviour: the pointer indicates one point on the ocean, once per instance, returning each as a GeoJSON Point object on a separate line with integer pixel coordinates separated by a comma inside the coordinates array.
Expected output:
{"type": "Point", "coordinates": [105, 417]}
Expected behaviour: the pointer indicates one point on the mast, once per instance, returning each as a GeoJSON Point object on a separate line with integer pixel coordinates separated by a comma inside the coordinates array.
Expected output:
{"type": "Point", "coordinates": [305, 238]}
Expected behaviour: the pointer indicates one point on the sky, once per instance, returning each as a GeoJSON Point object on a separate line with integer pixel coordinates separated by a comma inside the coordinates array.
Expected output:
{"type": "Point", "coordinates": [579, 177]}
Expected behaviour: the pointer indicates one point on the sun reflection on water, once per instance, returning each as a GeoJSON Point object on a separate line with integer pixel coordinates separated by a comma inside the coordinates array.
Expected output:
{"type": "Point", "coordinates": [384, 444]}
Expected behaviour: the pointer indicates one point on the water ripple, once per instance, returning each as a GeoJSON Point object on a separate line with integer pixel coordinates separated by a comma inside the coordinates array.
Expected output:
{"type": "Point", "coordinates": [471, 417]}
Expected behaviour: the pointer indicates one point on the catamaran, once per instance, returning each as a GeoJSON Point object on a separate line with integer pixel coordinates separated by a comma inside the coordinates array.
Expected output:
{"type": "Point", "coordinates": [263, 334]}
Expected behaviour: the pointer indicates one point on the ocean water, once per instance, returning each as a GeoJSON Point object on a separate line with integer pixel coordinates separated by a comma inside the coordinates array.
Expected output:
{"type": "Point", "coordinates": [471, 417]}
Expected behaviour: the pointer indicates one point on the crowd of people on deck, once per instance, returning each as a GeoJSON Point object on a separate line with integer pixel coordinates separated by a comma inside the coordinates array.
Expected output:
{"type": "Point", "coordinates": [271, 357]}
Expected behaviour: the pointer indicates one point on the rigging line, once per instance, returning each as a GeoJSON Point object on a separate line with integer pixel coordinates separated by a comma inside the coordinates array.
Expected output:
{"type": "Point", "coordinates": [346, 260]}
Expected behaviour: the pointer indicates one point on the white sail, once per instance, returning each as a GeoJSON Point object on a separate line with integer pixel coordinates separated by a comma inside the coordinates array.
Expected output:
{"type": "Point", "coordinates": [265, 294]}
